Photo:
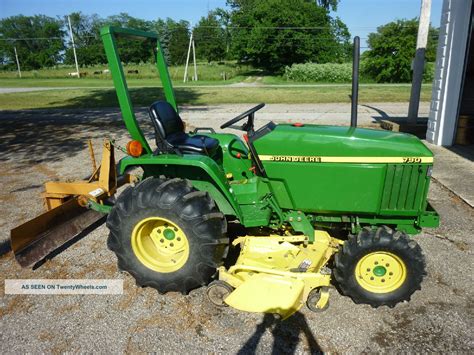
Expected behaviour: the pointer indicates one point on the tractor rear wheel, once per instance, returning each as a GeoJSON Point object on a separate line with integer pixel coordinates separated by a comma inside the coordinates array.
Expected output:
{"type": "Point", "coordinates": [379, 267]}
{"type": "Point", "coordinates": [167, 235]}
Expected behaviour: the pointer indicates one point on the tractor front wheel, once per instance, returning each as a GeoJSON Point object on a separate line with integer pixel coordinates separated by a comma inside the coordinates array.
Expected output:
{"type": "Point", "coordinates": [379, 267]}
{"type": "Point", "coordinates": [167, 235]}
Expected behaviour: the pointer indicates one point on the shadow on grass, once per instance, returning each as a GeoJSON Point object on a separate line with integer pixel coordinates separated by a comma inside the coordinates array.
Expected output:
{"type": "Point", "coordinates": [36, 136]}
{"type": "Point", "coordinates": [257, 72]}
{"type": "Point", "coordinates": [140, 97]}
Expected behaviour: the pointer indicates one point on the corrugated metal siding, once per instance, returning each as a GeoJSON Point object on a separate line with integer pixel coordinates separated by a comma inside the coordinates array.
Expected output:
{"type": "Point", "coordinates": [404, 186]}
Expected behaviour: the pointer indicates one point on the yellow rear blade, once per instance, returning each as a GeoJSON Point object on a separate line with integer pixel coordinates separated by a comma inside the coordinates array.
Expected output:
{"type": "Point", "coordinates": [37, 238]}
{"type": "Point", "coordinates": [268, 294]}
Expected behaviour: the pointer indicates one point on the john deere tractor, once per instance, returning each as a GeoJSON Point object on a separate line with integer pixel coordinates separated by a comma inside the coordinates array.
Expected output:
{"type": "Point", "coordinates": [319, 206]}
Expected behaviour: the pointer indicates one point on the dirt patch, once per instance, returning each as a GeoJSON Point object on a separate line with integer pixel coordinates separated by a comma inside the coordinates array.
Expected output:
{"type": "Point", "coordinates": [17, 303]}
{"type": "Point", "coordinates": [45, 170]}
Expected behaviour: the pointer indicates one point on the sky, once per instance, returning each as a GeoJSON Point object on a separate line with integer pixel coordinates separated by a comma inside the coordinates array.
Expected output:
{"type": "Point", "coordinates": [361, 16]}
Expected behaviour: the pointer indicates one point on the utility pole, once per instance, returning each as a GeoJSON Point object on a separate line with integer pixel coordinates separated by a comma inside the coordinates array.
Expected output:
{"type": "Point", "coordinates": [419, 61]}
{"type": "Point", "coordinates": [73, 46]}
{"type": "Point", "coordinates": [195, 78]}
{"type": "Point", "coordinates": [17, 62]}
{"type": "Point", "coordinates": [187, 58]}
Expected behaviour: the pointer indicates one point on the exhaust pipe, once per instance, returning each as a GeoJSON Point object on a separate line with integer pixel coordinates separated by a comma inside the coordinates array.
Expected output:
{"type": "Point", "coordinates": [355, 81]}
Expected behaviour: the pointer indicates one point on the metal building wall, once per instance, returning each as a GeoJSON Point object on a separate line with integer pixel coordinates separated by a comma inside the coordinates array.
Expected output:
{"type": "Point", "coordinates": [450, 58]}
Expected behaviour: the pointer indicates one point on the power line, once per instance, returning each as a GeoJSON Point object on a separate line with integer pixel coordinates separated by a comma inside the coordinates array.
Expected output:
{"type": "Point", "coordinates": [213, 36]}
{"type": "Point", "coordinates": [31, 38]}
{"type": "Point", "coordinates": [275, 27]}
{"type": "Point", "coordinates": [293, 27]}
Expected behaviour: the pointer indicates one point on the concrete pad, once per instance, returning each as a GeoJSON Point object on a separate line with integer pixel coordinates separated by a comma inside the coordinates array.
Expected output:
{"type": "Point", "coordinates": [454, 171]}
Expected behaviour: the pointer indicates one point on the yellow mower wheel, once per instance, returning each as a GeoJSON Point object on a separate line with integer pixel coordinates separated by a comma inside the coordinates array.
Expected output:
{"type": "Point", "coordinates": [318, 299]}
{"type": "Point", "coordinates": [217, 292]}
{"type": "Point", "coordinates": [160, 244]}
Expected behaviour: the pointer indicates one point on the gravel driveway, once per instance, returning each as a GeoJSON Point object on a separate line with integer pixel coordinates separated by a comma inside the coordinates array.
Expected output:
{"type": "Point", "coordinates": [37, 146]}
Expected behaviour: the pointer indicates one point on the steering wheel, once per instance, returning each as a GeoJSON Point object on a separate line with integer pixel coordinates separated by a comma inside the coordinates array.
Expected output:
{"type": "Point", "coordinates": [250, 114]}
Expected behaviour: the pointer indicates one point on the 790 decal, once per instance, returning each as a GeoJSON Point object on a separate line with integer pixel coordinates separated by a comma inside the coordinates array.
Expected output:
{"type": "Point", "coordinates": [412, 160]}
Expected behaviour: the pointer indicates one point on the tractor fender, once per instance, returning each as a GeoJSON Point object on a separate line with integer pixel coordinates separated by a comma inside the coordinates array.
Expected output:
{"type": "Point", "coordinates": [203, 172]}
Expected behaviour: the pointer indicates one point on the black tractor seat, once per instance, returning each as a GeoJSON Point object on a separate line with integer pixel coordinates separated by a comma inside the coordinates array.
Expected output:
{"type": "Point", "coordinates": [170, 136]}
{"type": "Point", "coordinates": [197, 143]}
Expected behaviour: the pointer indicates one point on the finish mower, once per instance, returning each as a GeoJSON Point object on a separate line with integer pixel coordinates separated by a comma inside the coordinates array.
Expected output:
{"type": "Point", "coordinates": [321, 206]}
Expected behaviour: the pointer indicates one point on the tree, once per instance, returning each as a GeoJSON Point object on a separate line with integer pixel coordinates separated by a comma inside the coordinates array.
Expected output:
{"type": "Point", "coordinates": [38, 40]}
{"type": "Point", "coordinates": [132, 51]}
{"type": "Point", "coordinates": [273, 33]}
{"type": "Point", "coordinates": [164, 35]}
{"type": "Point", "coordinates": [179, 40]}
{"type": "Point", "coordinates": [224, 18]}
{"type": "Point", "coordinates": [392, 49]}
{"type": "Point", "coordinates": [343, 48]}
{"type": "Point", "coordinates": [210, 38]}
{"type": "Point", "coordinates": [328, 4]}
{"type": "Point", "coordinates": [89, 47]}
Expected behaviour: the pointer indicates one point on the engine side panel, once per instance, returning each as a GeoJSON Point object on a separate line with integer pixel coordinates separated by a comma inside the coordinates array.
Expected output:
{"type": "Point", "coordinates": [329, 187]}
{"type": "Point", "coordinates": [327, 169]}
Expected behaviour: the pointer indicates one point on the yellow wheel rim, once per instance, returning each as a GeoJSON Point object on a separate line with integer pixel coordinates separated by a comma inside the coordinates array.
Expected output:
{"type": "Point", "coordinates": [380, 272]}
{"type": "Point", "coordinates": [160, 244]}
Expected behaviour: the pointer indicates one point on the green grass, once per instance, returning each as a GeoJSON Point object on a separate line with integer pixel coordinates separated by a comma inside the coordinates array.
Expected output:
{"type": "Point", "coordinates": [206, 72]}
{"type": "Point", "coordinates": [154, 82]}
{"type": "Point", "coordinates": [96, 90]}
{"type": "Point", "coordinates": [281, 80]}
{"type": "Point", "coordinates": [97, 97]}
{"type": "Point", "coordinates": [102, 83]}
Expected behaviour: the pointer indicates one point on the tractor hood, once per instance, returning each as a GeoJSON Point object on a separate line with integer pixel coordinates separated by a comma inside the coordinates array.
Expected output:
{"type": "Point", "coordinates": [296, 142]}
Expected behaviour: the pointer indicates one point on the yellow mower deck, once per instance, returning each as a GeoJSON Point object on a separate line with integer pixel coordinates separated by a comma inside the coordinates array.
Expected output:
{"type": "Point", "coordinates": [276, 274]}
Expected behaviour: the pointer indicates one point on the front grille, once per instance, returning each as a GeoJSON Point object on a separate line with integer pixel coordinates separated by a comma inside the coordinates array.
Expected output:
{"type": "Point", "coordinates": [404, 187]}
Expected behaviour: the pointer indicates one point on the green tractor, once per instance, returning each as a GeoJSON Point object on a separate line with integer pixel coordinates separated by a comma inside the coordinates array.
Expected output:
{"type": "Point", "coordinates": [319, 206]}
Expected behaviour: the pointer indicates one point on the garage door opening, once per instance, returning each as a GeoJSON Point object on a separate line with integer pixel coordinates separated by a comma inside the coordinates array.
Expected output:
{"type": "Point", "coordinates": [465, 122]}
